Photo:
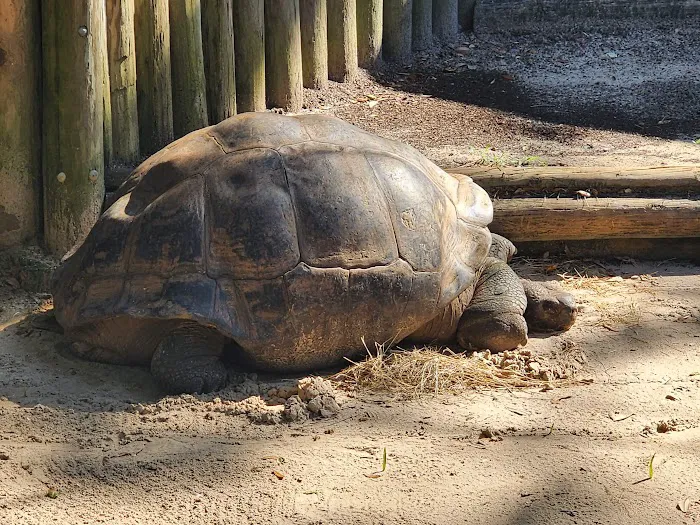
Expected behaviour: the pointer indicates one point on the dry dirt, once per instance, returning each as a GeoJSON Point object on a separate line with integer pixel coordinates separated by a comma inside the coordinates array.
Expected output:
{"type": "Point", "coordinates": [90, 443]}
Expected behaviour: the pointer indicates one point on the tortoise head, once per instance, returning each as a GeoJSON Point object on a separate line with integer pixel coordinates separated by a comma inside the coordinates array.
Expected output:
{"type": "Point", "coordinates": [548, 310]}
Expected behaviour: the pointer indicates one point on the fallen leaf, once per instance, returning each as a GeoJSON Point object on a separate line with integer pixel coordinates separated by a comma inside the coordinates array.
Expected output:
{"type": "Point", "coordinates": [374, 475]}
{"type": "Point", "coordinates": [278, 474]}
{"type": "Point", "coordinates": [371, 97]}
{"type": "Point", "coordinates": [372, 103]}
{"type": "Point", "coordinates": [507, 77]}
{"type": "Point", "coordinates": [12, 282]}
{"type": "Point", "coordinates": [684, 505]}
{"type": "Point", "coordinates": [384, 460]}
{"type": "Point", "coordinates": [651, 466]}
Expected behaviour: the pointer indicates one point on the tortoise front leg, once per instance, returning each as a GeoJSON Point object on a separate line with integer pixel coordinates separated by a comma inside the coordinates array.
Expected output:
{"type": "Point", "coordinates": [494, 318]}
{"type": "Point", "coordinates": [188, 360]}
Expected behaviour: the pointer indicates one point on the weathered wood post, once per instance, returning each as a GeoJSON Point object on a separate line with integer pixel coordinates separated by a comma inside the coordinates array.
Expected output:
{"type": "Point", "coordinates": [422, 24]}
{"type": "Point", "coordinates": [153, 70]}
{"type": "Point", "coordinates": [106, 97]}
{"type": "Point", "coordinates": [369, 31]}
{"type": "Point", "coordinates": [219, 59]}
{"type": "Point", "coordinates": [445, 19]}
{"type": "Point", "coordinates": [73, 33]}
{"type": "Point", "coordinates": [249, 36]}
{"type": "Point", "coordinates": [342, 40]}
{"type": "Point", "coordinates": [20, 127]}
{"type": "Point", "coordinates": [121, 47]}
{"type": "Point", "coordinates": [189, 86]}
{"type": "Point", "coordinates": [397, 30]}
{"type": "Point", "coordinates": [314, 43]}
{"type": "Point", "coordinates": [466, 14]}
{"type": "Point", "coordinates": [283, 77]}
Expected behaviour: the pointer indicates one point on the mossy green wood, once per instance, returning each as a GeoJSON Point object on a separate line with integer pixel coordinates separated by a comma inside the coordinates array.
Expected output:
{"type": "Point", "coordinates": [153, 70]}
{"type": "Point", "coordinates": [73, 119]}
{"type": "Point", "coordinates": [121, 47]}
{"type": "Point", "coordinates": [249, 36]}
{"type": "Point", "coordinates": [20, 126]}
{"type": "Point", "coordinates": [283, 75]}
{"type": "Point", "coordinates": [219, 59]}
{"type": "Point", "coordinates": [314, 43]}
{"type": "Point", "coordinates": [445, 19]}
{"type": "Point", "coordinates": [396, 44]}
{"type": "Point", "coordinates": [342, 40]}
{"type": "Point", "coordinates": [187, 58]}
{"type": "Point", "coordinates": [422, 37]}
{"type": "Point", "coordinates": [369, 31]}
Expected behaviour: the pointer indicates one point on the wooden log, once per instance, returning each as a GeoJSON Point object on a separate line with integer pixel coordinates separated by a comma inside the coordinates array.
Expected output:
{"type": "Point", "coordinates": [608, 218]}
{"type": "Point", "coordinates": [445, 19]}
{"type": "Point", "coordinates": [682, 248]}
{"type": "Point", "coordinates": [20, 125]}
{"type": "Point", "coordinates": [397, 31]}
{"type": "Point", "coordinates": [249, 35]}
{"type": "Point", "coordinates": [314, 43]}
{"type": "Point", "coordinates": [121, 47]}
{"type": "Point", "coordinates": [659, 180]}
{"type": "Point", "coordinates": [466, 14]}
{"type": "Point", "coordinates": [283, 77]}
{"type": "Point", "coordinates": [187, 58]}
{"type": "Point", "coordinates": [219, 59]}
{"type": "Point", "coordinates": [73, 119]}
{"type": "Point", "coordinates": [422, 37]}
{"type": "Point", "coordinates": [370, 22]}
{"type": "Point", "coordinates": [342, 40]}
{"type": "Point", "coordinates": [153, 70]}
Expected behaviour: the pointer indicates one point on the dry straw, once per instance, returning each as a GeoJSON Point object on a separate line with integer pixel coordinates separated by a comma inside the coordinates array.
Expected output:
{"type": "Point", "coordinates": [429, 370]}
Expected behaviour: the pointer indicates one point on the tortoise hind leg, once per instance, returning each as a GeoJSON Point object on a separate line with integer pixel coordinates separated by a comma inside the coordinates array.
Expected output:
{"type": "Point", "coordinates": [494, 318]}
{"type": "Point", "coordinates": [188, 360]}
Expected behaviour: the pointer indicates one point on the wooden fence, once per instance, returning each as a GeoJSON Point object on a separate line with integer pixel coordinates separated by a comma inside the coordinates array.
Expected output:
{"type": "Point", "coordinates": [92, 85]}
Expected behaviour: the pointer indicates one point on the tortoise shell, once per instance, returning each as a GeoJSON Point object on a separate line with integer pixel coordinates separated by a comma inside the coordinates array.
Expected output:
{"type": "Point", "coordinates": [294, 236]}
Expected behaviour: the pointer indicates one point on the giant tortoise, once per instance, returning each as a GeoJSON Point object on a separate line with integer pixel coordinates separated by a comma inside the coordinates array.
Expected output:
{"type": "Point", "coordinates": [286, 240]}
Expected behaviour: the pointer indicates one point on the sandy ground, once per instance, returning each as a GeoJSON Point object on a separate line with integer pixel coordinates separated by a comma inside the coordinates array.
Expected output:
{"type": "Point", "coordinates": [89, 443]}
{"type": "Point", "coordinates": [110, 449]}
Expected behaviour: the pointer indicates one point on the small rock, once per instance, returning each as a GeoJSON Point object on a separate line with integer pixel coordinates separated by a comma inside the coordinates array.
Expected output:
{"type": "Point", "coordinates": [324, 405]}
{"type": "Point", "coordinates": [672, 398]}
{"type": "Point", "coordinates": [4, 456]}
{"type": "Point", "coordinates": [486, 434]}
{"type": "Point", "coordinates": [310, 387]}
{"type": "Point", "coordinates": [295, 410]}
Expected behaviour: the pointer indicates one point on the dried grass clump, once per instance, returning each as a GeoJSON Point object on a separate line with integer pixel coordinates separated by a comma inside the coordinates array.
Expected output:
{"type": "Point", "coordinates": [430, 370]}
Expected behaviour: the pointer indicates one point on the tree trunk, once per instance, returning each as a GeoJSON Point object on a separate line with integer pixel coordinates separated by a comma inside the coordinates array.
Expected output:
{"type": "Point", "coordinates": [153, 80]}
{"type": "Point", "coordinates": [397, 30]}
{"type": "Point", "coordinates": [122, 82]}
{"type": "Point", "coordinates": [20, 128]}
{"type": "Point", "coordinates": [73, 148]}
{"type": "Point", "coordinates": [219, 59]}
{"type": "Point", "coordinates": [342, 40]}
{"type": "Point", "coordinates": [314, 43]}
{"type": "Point", "coordinates": [249, 33]}
{"type": "Point", "coordinates": [422, 24]}
{"type": "Point", "coordinates": [369, 31]}
{"type": "Point", "coordinates": [189, 86]}
{"type": "Point", "coordinates": [283, 77]}
{"type": "Point", "coordinates": [445, 19]}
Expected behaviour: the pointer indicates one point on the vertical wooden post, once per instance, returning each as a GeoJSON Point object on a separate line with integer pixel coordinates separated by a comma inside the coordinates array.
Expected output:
{"type": "Point", "coordinates": [187, 58]}
{"type": "Point", "coordinates": [249, 34]}
{"type": "Point", "coordinates": [342, 40]}
{"type": "Point", "coordinates": [422, 24]}
{"type": "Point", "coordinates": [122, 81]}
{"type": "Point", "coordinates": [466, 14]}
{"type": "Point", "coordinates": [73, 146]}
{"type": "Point", "coordinates": [219, 59]}
{"type": "Point", "coordinates": [445, 19]}
{"type": "Point", "coordinates": [153, 81]}
{"type": "Point", "coordinates": [397, 30]}
{"type": "Point", "coordinates": [283, 77]}
{"type": "Point", "coordinates": [369, 31]}
{"type": "Point", "coordinates": [106, 97]}
{"type": "Point", "coordinates": [20, 128]}
{"type": "Point", "coordinates": [314, 43]}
